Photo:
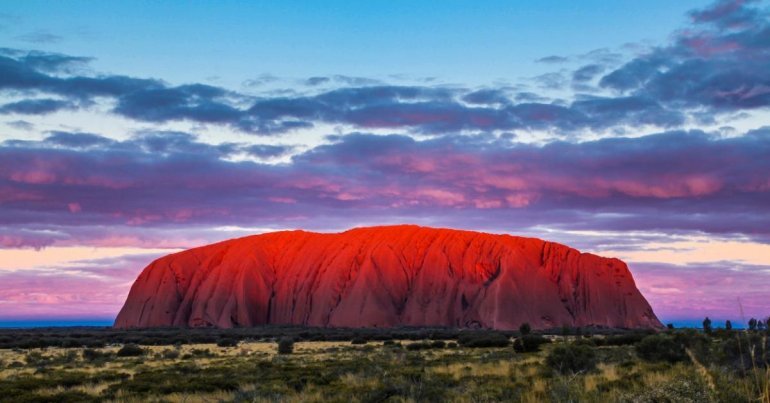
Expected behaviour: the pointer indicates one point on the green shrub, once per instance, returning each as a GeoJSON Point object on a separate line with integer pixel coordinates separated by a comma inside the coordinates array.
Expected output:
{"type": "Point", "coordinates": [525, 329]}
{"type": "Point", "coordinates": [420, 345]}
{"type": "Point", "coordinates": [660, 347]}
{"type": "Point", "coordinates": [588, 341]}
{"type": "Point", "coordinates": [529, 343]}
{"type": "Point", "coordinates": [358, 340]}
{"type": "Point", "coordinates": [572, 358]}
{"type": "Point", "coordinates": [170, 354]}
{"type": "Point", "coordinates": [621, 339]}
{"type": "Point", "coordinates": [227, 343]}
{"type": "Point", "coordinates": [35, 358]}
{"type": "Point", "coordinates": [130, 350]}
{"type": "Point", "coordinates": [286, 345]}
{"type": "Point", "coordinates": [438, 344]}
{"type": "Point", "coordinates": [91, 354]}
{"type": "Point", "coordinates": [744, 352]}
{"type": "Point", "coordinates": [483, 339]}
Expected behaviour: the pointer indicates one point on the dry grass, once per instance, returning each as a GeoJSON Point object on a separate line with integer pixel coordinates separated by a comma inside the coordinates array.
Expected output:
{"type": "Point", "coordinates": [220, 396]}
{"type": "Point", "coordinates": [460, 370]}
{"type": "Point", "coordinates": [475, 374]}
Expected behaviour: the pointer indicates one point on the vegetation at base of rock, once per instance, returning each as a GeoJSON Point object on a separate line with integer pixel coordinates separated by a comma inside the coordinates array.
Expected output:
{"type": "Point", "coordinates": [483, 339]}
{"type": "Point", "coordinates": [227, 342]}
{"type": "Point", "coordinates": [529, 343]}
{"type": "Point", "coordinates": [130, 350]}
{"type": "Point", "coordinates": [286, 345]}
{"type": "Point", "coordinates": [100, 337]}
{"type": "Point", "coordinates": [572, 358]}
{"type": "Point", "coordinates": [430, 365]}
{"type": "Point", "coordinates": [660, 347]}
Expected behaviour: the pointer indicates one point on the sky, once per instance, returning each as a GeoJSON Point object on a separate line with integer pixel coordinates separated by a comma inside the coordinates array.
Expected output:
{"type": "Point", "coordinates": [637, 130]}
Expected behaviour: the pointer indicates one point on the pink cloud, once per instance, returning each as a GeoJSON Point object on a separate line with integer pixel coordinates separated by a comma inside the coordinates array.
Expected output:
{"type": "Point", "coordinates": [88, 289]}
{"type": "Point", "coordinates": [726, 291]}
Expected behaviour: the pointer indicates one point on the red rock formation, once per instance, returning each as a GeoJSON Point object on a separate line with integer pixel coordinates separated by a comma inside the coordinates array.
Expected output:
{"type": "Point", "coordinates": [386, 276]}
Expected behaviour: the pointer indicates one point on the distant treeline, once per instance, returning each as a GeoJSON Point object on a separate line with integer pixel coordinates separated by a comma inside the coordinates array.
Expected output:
{"type": "Point", "coordinates": [93, 337]}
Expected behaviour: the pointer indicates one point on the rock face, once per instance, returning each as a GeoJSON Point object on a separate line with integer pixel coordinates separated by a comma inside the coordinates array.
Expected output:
{"type": "Point", "coordinates": [386, 276]}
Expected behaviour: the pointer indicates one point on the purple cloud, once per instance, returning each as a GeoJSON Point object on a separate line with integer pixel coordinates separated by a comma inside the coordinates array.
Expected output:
{"type": "Point", "coordinates": [674, 181]}
{"type": "Point", "coordinates": [722, 63]}
{"type": "Point", "coordinates": [728, 290]}
{"type": "Point", "coordinates": [93, 288]}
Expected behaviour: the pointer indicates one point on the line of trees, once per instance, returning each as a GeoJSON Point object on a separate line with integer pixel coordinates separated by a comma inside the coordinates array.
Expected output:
{"type": "Point", "coordinates": [754, 324]}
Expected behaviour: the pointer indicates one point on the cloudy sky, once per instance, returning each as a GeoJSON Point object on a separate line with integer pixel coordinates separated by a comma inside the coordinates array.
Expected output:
{"type": "Point", "coordinates": [639, 130]}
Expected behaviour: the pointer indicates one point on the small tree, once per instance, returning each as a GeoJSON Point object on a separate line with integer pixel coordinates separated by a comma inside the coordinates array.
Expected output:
{"type": "Point", "coordinates": [707, 325]}
{"type": "Point", "coordinates": [752, 324]}
{"type": "Point", "coordinates": [286, 345]}
{"type": "Point", "coordinates": [728, 325]}
{"type": "Point", "coordinates": [670, 326]}
{"type": "Point", "coordinates": [529, 343]}
{"type": "Point", "coordinates": [525, 329]}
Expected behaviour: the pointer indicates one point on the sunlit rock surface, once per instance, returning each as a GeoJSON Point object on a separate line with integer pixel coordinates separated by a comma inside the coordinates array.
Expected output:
{"type": "Point", "coordinates": [386, 276]}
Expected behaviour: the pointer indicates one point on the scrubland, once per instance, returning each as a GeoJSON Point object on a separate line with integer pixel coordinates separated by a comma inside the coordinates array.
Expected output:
{"type": "Point", "coordinates": [419, 366]}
